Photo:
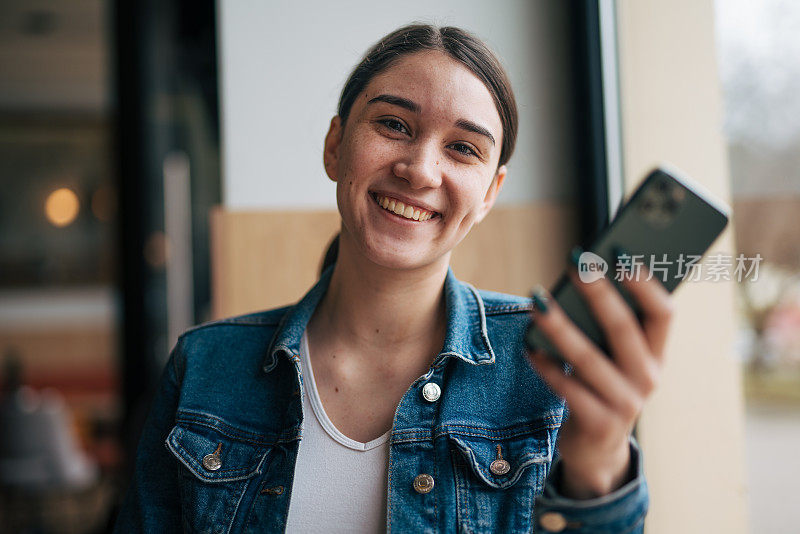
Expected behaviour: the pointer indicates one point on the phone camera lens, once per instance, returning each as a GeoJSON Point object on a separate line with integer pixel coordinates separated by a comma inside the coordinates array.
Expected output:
{"type": "Point", "coordinates": [671, 205]}
{"type": "Point", "coordinates": [658, 206]}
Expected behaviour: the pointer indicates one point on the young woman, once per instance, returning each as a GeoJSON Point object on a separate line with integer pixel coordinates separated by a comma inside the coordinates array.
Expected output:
{"type": "Point", "coordinates": [393, 396]}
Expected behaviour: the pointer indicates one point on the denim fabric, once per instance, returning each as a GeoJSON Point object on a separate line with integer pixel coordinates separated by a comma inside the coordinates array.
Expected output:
{"type": "Point", "coordinates": [231, 391]}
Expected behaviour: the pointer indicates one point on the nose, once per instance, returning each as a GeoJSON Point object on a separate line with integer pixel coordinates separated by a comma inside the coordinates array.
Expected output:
{"type": "Point", "coordinates": [420, 166]}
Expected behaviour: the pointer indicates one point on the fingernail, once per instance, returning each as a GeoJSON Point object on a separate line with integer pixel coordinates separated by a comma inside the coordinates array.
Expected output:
{"type": "Point", "coordinates": [575, 255]}
{"type": "Point", "coordinates": [539, 299]}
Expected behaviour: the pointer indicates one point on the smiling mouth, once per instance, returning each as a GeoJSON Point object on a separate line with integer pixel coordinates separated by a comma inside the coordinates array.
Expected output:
{"type": "Point", "coordinates": [403, 210]}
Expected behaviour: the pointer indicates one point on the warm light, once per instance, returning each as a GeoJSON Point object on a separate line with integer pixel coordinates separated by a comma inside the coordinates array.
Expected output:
{"type": "Point", "coordinates": [61, 207]}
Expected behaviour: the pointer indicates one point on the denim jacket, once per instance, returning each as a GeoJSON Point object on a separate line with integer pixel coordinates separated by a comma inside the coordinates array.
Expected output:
{"type": "Point", "coordinates": [218, 449]}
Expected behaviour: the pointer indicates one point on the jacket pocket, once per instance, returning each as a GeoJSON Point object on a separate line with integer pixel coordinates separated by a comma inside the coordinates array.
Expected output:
{"type": "Point", "coordinates": [498, 477]}
{"type": "Point", "coordinates": [216, 468]}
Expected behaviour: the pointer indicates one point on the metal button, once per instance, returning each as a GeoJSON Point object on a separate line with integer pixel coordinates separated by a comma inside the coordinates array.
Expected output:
{"type": "Point", "coordinates": [553, 522]}
{"type": "Point", "coordinates": [212, 461]}
{"type": "Point", "coordinates": [500, 467]}
{"type": "Point", "coordinates": [431, 391]}
{"type": "Point", "coordinates": [423, 483]}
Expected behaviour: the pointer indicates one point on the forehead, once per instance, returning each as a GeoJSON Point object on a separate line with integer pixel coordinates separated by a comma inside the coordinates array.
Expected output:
{"type": "Point", "coordinates": [443, 87]}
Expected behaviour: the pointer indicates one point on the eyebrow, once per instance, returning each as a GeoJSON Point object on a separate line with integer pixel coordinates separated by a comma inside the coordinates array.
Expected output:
{"type": "Point", "coordinates": [464, 124]}
{"type": "Point", "coordinates": [412, 106]}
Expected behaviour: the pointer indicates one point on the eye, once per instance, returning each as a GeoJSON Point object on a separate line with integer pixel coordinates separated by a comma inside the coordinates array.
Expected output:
{"type": "Point", "coordinates": [394, 124]}
{"type": "Point", "coordinates": [464, 149]}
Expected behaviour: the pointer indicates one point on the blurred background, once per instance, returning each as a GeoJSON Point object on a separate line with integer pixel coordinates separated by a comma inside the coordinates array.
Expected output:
{"type": "Point", "coordinates": [109, 144]}
{"type": "Point", "coordinates": [122, 224]}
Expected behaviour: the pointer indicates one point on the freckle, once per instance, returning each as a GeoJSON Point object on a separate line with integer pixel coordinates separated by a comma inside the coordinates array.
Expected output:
{"type": "Point", "coordinates": [437, 162]}
{"type": "Point", "coordinates": [336, 389]}
{"type": "Point", "coordinates": [334, 356]}
{"type": "Point", "coordinates": [377, 331]}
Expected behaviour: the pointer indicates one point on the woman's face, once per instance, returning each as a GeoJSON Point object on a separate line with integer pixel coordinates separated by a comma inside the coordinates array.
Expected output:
{"type": "Point", "coordinates": [425, 137]}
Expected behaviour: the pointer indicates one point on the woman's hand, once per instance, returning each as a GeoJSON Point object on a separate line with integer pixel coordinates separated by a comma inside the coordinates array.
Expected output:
{"type": "Point", "coordinates": [604, 394]}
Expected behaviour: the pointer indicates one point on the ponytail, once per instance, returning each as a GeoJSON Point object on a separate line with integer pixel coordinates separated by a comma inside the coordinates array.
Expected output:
{"type": "Point", "coordinates": [330, 254]}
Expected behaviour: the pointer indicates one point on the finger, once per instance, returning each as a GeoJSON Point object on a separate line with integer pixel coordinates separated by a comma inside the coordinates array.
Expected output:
{"type": "Point", "coordinates": [656, 304]}
{"type": "Point", "coordinates": [584, 406]}
{"type": "Point", "coordinates": [589, 363]}
{"type": "Point", "coordinates": [625, 336]}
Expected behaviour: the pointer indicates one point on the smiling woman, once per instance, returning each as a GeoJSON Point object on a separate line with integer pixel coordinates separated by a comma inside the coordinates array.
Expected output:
{"type": "Point", "coordinates": [393, 396]}
{"type": "Point", "coordinates": [424, 135]}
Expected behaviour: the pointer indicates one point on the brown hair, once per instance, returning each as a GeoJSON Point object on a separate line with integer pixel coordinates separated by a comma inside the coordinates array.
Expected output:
{"type": "Point", "coordinates": [458, 44]}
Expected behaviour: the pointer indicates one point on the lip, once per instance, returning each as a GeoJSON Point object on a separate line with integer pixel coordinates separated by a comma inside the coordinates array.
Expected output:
{"type": "Point", "coordinates": [405, 200]}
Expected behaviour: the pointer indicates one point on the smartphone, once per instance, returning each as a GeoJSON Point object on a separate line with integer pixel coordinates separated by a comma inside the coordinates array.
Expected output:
{"type": "Point", "coordinates": [667, 224]}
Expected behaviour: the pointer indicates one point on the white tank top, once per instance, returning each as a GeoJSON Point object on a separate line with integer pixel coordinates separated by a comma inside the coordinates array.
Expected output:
{"type": "Point", "coordinates": [339, 484]}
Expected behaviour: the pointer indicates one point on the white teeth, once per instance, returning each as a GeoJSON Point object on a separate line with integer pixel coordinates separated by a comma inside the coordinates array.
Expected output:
{"type": "Point", "coordinates": [409, 212]}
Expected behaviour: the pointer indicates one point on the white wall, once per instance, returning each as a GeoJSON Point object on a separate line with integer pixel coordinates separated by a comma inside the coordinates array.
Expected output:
{"type": "Point", "coordinates": [283, 64]}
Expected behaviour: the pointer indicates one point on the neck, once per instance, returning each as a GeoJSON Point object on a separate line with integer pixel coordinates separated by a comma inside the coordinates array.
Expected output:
{"type": "Point", "coordinates": [374, 308]}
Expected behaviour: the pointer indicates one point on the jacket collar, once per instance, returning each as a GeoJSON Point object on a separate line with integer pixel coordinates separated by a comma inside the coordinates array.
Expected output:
{"type": "Point", "coordinates": [466, 339]}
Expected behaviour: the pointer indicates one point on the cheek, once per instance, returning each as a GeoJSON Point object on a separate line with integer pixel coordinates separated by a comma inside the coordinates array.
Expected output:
{"type": "Point", "coordinates": [366, 153]}
{"type": "Point", "coordinates": [470, 193]}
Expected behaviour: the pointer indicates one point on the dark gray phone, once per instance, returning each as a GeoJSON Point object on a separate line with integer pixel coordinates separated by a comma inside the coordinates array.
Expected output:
{"type": "Point", "coordinates": [667, 218]}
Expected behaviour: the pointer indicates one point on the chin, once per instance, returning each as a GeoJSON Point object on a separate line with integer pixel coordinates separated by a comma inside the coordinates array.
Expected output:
{"type": "Point", "coordinates": [389, 258]}
{"type": "Point", "coordinates": [398, 261]}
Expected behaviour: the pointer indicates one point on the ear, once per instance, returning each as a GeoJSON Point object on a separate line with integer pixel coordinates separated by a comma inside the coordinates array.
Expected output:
{"type": "Point", "coordinates": [330, 152]}
{"type": "Point", "coordinates": [491, 194]}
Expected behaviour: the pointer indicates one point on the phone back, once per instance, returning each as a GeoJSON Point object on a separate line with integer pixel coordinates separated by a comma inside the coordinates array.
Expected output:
{"type": "Point", "coordinates": [667, 225]}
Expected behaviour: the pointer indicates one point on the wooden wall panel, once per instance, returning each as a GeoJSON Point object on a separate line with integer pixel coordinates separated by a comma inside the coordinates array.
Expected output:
{"type": "Point", "coordinates": [269, 258]}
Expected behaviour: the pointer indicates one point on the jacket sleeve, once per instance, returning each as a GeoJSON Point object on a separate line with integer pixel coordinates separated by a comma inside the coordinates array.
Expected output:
{"type": "Point", "coordinates": [621, 511]}
{"type": "Point", "coordinates": [152, 502]}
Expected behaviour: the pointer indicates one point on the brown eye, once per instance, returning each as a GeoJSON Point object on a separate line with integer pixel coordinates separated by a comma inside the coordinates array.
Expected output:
{"type": "Point", "coordinates": [393, 124]}
{"type": "Point", "coordinates": [464, 149]}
